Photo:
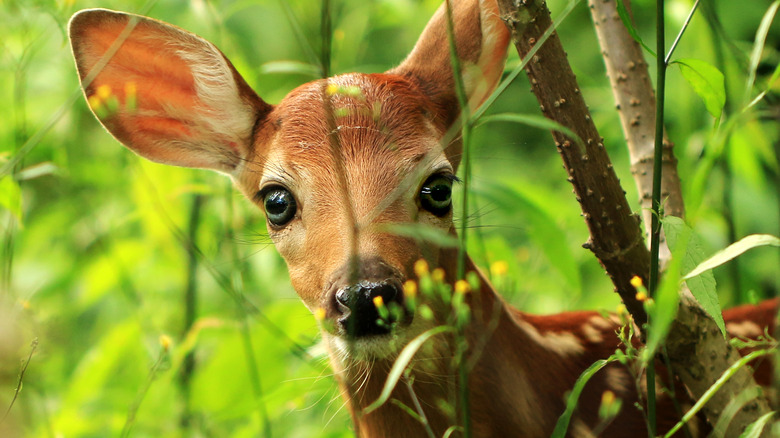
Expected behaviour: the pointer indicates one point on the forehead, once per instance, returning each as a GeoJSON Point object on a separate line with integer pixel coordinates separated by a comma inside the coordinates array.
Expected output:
{"type": "Point", "coordinates": [372, 116]}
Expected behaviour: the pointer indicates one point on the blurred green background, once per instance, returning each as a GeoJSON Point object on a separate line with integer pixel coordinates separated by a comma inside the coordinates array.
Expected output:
{"type": "Point", "coordinates": [94, 264]}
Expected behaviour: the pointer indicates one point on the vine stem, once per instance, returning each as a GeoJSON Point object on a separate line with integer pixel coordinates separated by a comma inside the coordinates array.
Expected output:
{"type": "Point", "coordinates": [655, 234]}
{"type": "Point", "coordinates": [465, 117]}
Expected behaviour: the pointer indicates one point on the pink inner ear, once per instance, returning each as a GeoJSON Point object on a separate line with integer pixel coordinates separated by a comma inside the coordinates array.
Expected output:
{"type": "Point", "coordinates": [160, 80]}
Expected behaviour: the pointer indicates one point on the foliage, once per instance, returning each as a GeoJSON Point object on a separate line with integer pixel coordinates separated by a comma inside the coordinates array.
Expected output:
{"type": "Point", "coordinates": [93, 263]}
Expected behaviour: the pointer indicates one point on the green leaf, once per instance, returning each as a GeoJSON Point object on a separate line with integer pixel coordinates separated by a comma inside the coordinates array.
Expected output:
{"type": "Point", "coordinates": [540, 122]}
{"type": "Point", "coordinates": [422, 233]}
{"type": "Point", "coordinates": [666, 297]}
{"type": "Point", "coordinates": [707, 81]}
{"type": "Point", "coordinates": [733, 251]}
{"type": "Point", "coordinates": [621, 8]}
{"type": "Point", "coordinates": [755, 428]}
{"type": "Point", "coordinates": [571, 402]}
{"type": "Point", "coordinates": [758, 44]}
{"type": "Point", "coordinates": [400, 365]}
{"type": "Point", "coordinates": [702, 286]}
{"type": "Point", "coordinates": [11, 196]}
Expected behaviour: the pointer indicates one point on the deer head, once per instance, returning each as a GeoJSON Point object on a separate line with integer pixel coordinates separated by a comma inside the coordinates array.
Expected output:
{"type": "Point", "coordinates": [331, 165]}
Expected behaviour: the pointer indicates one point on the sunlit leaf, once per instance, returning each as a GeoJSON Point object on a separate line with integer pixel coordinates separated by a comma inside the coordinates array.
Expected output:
{"type": "Point", "coordinates": [707, 81]}
{"type": "Point", "coordinates": [11, 196]}
{"type": "Point", "coordinates": [703, 286]}
{"type": "Point", "coordinates": [733, 251]}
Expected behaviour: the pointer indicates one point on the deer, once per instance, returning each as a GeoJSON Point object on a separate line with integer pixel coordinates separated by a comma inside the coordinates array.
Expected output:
{"type": "Point", "coordinates": [331, 166]}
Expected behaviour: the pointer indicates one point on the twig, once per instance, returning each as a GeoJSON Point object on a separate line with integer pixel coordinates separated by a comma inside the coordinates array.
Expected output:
{"type": "Point", "coordinates": [33, 347]}
{"type": "Point", "coordinates": [680, 34]}
{"type": "Point", "coordinates": [133, 410]}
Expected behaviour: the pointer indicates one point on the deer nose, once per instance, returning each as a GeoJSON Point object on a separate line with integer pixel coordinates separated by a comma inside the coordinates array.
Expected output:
{"type": "Point", "coordinates": [358, 305]}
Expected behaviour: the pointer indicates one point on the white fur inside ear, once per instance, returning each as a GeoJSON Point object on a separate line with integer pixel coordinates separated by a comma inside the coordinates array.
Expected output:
{"type": "Point", "coordinates": [223, 120]}
{"type": "Point", "coordinates": [481, 78]}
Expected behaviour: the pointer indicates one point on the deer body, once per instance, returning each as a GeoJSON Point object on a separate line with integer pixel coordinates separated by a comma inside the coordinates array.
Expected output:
{"type": "Point", "coordinates": [332, 165]}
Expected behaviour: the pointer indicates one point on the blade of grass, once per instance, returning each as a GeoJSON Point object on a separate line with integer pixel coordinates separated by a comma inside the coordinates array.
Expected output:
{"type": "Point", "coordinates": [758, 46]}
{"type": "Point", "coordinates": [571, 402]}
{"type": "Point", "coordinates": [715, 387]}
{"type": "Point", "coordinates": [400, 365]}
{"type": "Point", "coordinates": [133, 410]}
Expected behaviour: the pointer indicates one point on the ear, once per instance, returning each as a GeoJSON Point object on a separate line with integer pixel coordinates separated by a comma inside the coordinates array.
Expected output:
{"type": "Point", "coordinates": [481, 41]}
{"type": "Point", "coordinates": [167, 94]}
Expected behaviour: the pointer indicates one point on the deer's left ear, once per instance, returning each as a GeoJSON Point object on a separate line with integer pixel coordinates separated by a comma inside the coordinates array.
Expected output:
{"type": "Point", "coordinates": [481, 40]}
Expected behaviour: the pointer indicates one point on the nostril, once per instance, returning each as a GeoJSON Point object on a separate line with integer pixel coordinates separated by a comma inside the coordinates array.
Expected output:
{"type": "Point", "coordinates": [360, 316]}
{"type": "Point", "coordinates": [342, 296]}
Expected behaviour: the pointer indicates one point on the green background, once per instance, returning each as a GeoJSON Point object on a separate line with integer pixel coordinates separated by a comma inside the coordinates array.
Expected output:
{"type": "Point", "coordinates": [94, 267]}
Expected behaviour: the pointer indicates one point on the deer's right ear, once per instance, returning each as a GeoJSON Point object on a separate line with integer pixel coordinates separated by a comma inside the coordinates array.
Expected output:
{"type": "Point", "coordinates": [165, 93]}
{"type": "Point", "coordinates": [481, 41]}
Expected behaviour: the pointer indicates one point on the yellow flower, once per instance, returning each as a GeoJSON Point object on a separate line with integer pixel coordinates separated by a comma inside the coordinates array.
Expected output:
{"type": "Point", "coordinates": [421, 268]}
{"type": "Point", "coordinates": [165, 342]}
{"type": "Point", "coordinates": [462, 287]}
{"type": "Point", "coordinates": [636, 281]}
{"type": "Point", "coordinates": [379, 301]}
{"type": "Point", "coordinates": [641, 297]}
{"type": "Point", "coordinates": [95, 102]}
{"type": "Point", "coordinates": [499, 268]}
{"type": "Point", "coordinates": [410, 289]}
{"type": "Point", "coordinates": [103, 91]}
{"type": "Point", "coordinates": [438, 275]}
{"type": "Point", "coordinates": [332, 89]}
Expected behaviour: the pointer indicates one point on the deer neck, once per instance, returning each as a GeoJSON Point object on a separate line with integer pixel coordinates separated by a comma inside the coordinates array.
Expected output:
{"type": "Point", "coordinates": [500, 345]}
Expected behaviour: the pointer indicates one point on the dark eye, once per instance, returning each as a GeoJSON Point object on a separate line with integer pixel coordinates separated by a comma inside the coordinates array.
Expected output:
{"type": "Point", "coordinates": [436, 194]}
{"type": "Point", "coordinates": [279, 205]}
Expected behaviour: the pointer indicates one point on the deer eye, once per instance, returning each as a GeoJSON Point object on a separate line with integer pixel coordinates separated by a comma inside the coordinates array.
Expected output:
{"type": "Point", "coordinates": [279, 204]}
{"type": "Point", "coordinates": [436, 194]}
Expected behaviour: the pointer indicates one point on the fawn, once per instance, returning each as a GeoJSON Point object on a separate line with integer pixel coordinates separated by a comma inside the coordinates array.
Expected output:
{"type": "Point", "coordinates": [330, 165]}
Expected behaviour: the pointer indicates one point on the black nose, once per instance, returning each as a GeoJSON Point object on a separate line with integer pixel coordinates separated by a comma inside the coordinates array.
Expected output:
{"type": "Point", "coordinates": [358, 306]}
